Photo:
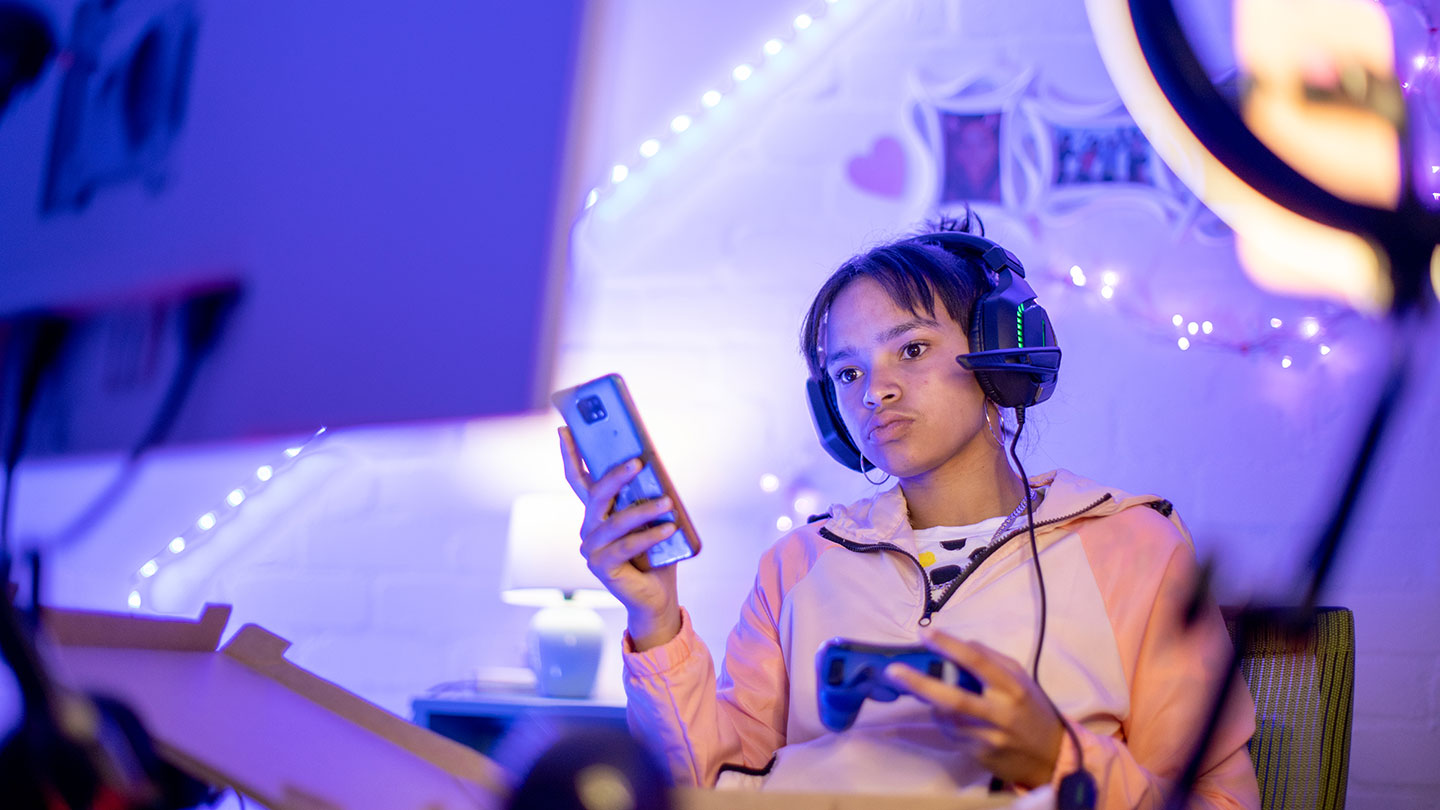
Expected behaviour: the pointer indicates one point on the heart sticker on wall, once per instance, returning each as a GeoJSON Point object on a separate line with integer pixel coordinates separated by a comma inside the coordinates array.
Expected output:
{"type": "Point", "coordinates": [882, 170]}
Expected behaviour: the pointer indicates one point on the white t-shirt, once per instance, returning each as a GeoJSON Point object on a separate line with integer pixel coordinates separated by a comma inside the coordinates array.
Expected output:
{"type": "Point", "coordinates": [945, 551]}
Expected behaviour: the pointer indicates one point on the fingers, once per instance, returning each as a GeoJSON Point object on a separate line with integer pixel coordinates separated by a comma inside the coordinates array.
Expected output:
{"type": "Point", "coordinates": [1013, 729]}
{"type": "Point", "coordinates": [1001, 676]}
{"type": "Point", "coordinates": [619, 553]}
{"type": "Point", "coordinates": [623, 523]}
{"type": "Point", "coordinates": [946, 698]}
{"type": "Point", "coordinates": [570, 455]}
{"type": "Point", "coordinates": [612, 539]}
{"type": "Point", "coordinates": [601, 498]}
{"type": "Point", "coordinates": [995, 670]}
{"type": "Point", "coordinates": [588, 490]}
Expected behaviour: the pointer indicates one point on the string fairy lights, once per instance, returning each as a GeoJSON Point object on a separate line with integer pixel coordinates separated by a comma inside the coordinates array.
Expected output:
{"type": "Point", "coordinates": [802, 501]}
{"type": "Point", "coordinates": [199, 532]}
{"type": "Point", "coordinates": [1416, 35]}
{"type": "Point", "coordinates": [805, 26]}
{"type": "Point", "coordinates": [1273, 338]}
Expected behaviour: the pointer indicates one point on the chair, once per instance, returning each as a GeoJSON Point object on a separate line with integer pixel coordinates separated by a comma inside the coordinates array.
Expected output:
{"type": "Point", "coordinates": [1304, 694]}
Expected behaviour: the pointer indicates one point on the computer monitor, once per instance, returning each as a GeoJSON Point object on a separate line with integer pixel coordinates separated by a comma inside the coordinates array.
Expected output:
{"type": "Point", "coordinates": [388, 186]}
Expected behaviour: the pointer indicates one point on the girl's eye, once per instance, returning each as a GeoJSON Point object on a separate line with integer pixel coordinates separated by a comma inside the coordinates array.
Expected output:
{"type": "Point", "coordinates": [846, 375]}
{"type": "Point", "coordinates": [914, 350]}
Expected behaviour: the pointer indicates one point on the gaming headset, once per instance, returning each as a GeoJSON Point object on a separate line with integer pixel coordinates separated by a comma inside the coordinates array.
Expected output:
{"type": "Point", "coordinates": [1013, 351]}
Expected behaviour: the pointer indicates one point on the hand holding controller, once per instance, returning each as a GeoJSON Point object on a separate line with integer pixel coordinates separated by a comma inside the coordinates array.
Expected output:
{"type": "Point", "coordinates": [848, 672]}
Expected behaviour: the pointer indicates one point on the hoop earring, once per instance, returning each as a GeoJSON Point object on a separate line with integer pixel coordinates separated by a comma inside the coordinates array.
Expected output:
{"type": "Point", "coordinates": [866, 473]}
{"type": "Point", "coordinates": [999, 417]}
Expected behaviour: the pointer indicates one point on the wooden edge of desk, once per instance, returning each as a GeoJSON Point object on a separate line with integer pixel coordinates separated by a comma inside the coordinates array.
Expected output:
{"type": "Point", "coordinates": [86, 628]}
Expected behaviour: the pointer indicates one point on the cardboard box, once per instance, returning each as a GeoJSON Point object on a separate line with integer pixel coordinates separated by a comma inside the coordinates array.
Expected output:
{"type": "Point", "coordinates": [243, 716]}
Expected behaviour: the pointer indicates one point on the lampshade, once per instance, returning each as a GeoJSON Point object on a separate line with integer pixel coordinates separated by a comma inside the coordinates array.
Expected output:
{"type": "Point", "coordinates": [542, 555]}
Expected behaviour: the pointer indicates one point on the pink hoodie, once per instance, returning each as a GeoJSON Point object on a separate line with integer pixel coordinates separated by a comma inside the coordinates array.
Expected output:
{"type": "Point", "coordinates": [1131, 682]}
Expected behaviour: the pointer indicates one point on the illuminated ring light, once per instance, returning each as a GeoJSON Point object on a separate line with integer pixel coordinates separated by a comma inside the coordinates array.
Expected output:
{"type": "Point", "coordinates": [1370, 257]}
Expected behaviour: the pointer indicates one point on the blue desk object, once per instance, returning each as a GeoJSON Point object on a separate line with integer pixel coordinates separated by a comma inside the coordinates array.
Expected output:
{"type": "Point", "coordinates": [480, 719]}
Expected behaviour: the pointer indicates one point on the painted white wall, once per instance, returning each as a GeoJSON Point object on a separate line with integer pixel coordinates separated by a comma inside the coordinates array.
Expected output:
{"type": "Point", "coordinates": [378, 557]}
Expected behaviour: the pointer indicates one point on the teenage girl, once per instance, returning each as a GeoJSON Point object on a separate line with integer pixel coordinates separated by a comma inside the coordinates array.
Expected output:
{"type": "Point", "coordinates": [1062, 596]}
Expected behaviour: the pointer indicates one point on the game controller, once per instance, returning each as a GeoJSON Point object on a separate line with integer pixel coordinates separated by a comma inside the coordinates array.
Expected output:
{"type": "Point", "coordinates": [848, 672]}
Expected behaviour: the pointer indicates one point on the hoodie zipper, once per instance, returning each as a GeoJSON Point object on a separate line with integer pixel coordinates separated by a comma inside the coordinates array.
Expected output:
{"type": "Point", "coordinates": [933, 605]}
{"type": "Point", "coordinates": [930, 606]}
{"type": "Point", "coordinates": [954, 585]}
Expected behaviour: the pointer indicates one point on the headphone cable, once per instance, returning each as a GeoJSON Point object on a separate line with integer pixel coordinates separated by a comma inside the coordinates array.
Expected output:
{"type": "Point", "coordinates": [1034, 550]}
{"type": "Point", "coordinates": [1076, 790]}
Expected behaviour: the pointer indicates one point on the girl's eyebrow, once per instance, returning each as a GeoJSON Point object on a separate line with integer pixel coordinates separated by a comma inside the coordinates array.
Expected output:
{"type": "Point", "coordinates": [908, 326]}
{"type": "Point", "coordinates": [899, 329]}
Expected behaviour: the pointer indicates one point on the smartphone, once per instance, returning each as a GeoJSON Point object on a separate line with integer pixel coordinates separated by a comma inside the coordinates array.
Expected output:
{"type": "Point", "coordinates": [608, 432]}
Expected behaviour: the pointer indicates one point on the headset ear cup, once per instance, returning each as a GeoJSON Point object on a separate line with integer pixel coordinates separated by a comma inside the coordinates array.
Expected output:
{"type": "Point", "coordinates": [1007, 319]}
{"type": "Point", "coordinates": [832, 401]}
{"type": "Point", "coordinates": [832, 407]}
{"type": "Point", "coordinates": [992, 392]}
{"type": "Point", "coordinates": [1039, 332]}
{"type": "Point", "coordinates": [830, 426]}
{"type": "Point", "coordinates": [987, 380]}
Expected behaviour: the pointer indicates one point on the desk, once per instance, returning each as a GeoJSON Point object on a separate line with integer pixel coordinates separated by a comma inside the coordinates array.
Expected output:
{"type": "Point", "coordinates": [479, 719]}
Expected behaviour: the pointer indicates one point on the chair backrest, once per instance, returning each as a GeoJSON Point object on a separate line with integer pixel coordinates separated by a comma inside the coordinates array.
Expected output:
{"type": "Point", "coordinates": [1304, 694]}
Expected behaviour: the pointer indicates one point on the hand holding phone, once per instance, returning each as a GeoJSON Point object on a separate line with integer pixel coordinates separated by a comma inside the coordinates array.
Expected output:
{"type": "Point", "coordinates": [635, 526]}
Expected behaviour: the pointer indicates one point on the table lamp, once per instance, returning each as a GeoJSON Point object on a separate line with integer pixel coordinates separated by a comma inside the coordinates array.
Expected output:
{"type": "Point", "coordinates": [544, 569]}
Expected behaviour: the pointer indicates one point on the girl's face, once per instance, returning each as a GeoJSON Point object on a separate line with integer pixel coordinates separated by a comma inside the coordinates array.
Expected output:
{"type": "Point", "coordinates": [906, 402]}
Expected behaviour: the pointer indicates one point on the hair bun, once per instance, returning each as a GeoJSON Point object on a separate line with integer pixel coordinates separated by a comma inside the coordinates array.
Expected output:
{"type": "Point", "coordinates": [970, 224]}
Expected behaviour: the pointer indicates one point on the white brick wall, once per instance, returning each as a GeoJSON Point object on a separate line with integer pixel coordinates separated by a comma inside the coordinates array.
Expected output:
{"type": "Point", "coordinates": [380, 560]}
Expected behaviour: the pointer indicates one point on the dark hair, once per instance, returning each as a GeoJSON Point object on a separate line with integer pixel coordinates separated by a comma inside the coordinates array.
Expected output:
{"type": "Point", "coordinates": [564, 775]}
{"type": "Point", "coordinates": [914, 275]}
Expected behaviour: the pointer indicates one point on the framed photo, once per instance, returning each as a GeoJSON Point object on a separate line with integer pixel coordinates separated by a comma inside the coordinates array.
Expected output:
{"type": "Point", "coordinates": [1078, 155]}
{"type": "Point", "coordinates": [1110, 154]}
{"type": "Point", "coordinates": [965, 127]}
{"type": "Point", "coordinates": [1087, 149]}
{"type": "Point", "coordinates": [970, 147]}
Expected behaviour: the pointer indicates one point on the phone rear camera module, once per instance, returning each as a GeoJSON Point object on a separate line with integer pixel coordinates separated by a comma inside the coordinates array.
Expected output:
{"type": "Point", "coordinates": [592, 410]}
